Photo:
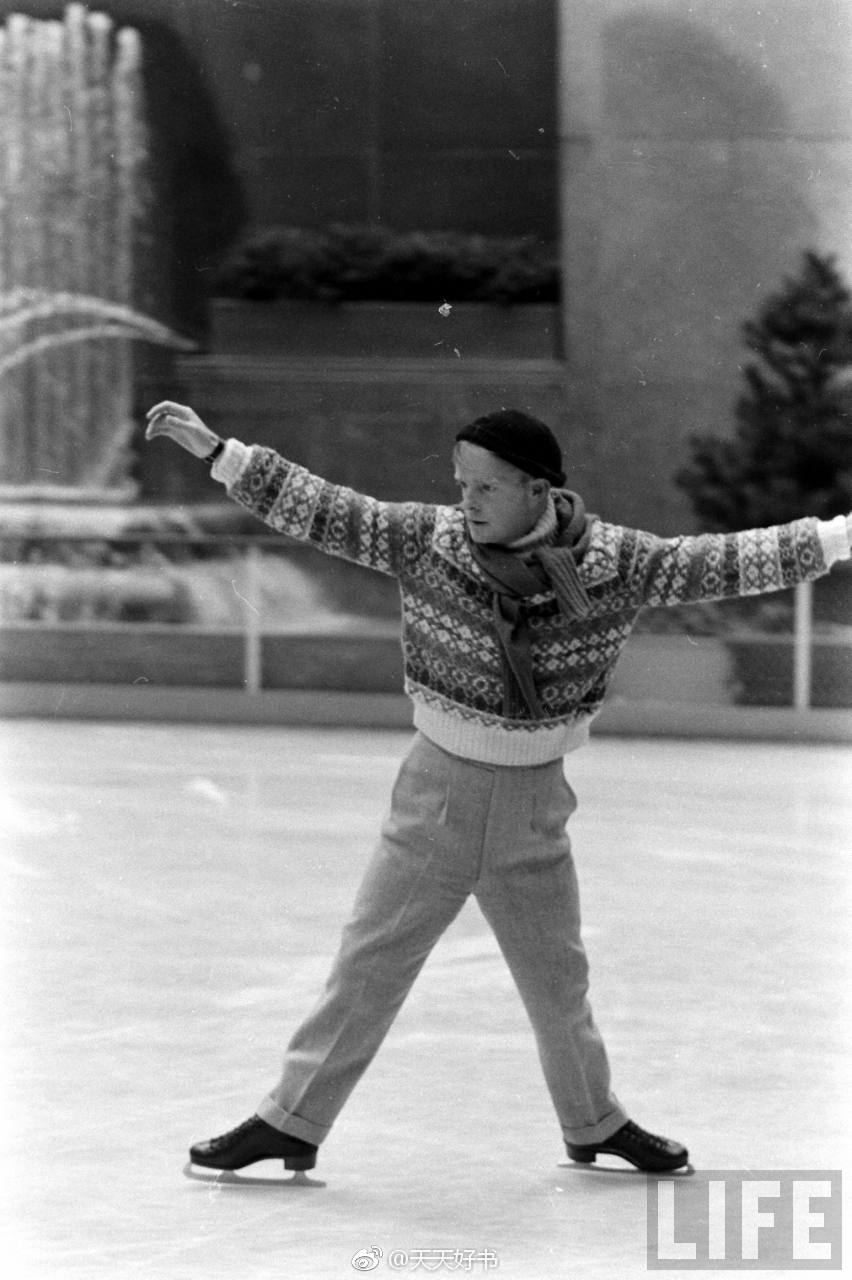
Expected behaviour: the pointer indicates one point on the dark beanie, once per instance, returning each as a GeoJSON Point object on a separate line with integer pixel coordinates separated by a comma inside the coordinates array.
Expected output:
{"type": "Point", "coordinates": [517, 438]}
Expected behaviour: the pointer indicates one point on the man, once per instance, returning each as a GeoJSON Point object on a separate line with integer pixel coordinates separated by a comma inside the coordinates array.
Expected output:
{"type": "Point", "coordinates": [516, 604]}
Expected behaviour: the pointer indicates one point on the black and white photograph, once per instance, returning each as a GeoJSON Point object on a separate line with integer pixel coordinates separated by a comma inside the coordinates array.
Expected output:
{"type": "Point", "coordinates": [425, 638]}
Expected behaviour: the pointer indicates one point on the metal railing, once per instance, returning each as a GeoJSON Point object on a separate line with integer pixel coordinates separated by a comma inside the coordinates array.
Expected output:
{"type": "Point", "coordinates": [92, 551]}
{"type": "Point", "coordinates": [803, 637]}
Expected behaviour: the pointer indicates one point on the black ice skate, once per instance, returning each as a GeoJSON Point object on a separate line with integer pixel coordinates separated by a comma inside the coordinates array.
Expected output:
{"type": "Point", "coordinates": [250, 1142]}
{"type": "Point", "coordinates": [646, 1151]}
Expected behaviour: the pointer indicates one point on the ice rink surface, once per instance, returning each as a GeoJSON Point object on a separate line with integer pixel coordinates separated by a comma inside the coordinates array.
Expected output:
{"type": "Point", "coordinates": [172, 897]}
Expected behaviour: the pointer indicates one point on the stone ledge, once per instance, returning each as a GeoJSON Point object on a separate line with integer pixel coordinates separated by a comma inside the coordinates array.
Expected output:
{"type": "Point", "coordinates": [324, 369]}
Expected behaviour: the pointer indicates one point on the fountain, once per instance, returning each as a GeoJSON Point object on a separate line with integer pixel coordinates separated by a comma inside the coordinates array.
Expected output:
{"type": "Point", "coordinates": [73, 202]}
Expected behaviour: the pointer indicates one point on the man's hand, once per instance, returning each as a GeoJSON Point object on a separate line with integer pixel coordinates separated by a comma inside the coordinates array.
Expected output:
{"type": "Point", "coordinates": [181, 424]}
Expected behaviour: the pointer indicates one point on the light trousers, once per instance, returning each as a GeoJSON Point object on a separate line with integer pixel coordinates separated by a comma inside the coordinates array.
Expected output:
{"type": "Point", "coordinates": [457, 827]}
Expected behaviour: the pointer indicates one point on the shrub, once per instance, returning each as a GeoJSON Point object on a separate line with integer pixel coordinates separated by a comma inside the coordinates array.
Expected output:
{"type": "Point", "coordinates": [791, 453]}
{"type": "Point", "coordinates": [371, 263]}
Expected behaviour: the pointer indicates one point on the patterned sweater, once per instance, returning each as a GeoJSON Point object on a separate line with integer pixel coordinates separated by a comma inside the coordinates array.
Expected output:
{"type": "Point", "coordinates": [453, 670]}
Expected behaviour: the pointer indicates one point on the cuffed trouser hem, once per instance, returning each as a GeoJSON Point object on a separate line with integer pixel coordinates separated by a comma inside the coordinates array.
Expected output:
{"type": "Point", "coordinates": [287, 1122]}
{"type": "Point", "coordinates": [596, 1132]}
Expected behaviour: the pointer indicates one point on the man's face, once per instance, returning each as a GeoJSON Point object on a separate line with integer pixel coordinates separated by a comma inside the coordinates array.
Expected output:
{"type": "Point", "coordinates": [500, 503]}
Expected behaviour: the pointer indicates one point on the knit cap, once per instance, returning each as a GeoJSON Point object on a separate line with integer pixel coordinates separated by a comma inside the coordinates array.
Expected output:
{"type": "Point", "coordinates": [520, 439]}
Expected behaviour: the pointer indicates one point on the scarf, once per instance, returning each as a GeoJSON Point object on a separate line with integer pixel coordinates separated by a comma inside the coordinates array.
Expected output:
{"type": "Point", "coordinates": [515, 576]}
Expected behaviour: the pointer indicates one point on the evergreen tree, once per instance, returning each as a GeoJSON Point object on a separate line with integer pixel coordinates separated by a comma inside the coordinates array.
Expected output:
{"type": "Point", "coordinates": [791, 452]}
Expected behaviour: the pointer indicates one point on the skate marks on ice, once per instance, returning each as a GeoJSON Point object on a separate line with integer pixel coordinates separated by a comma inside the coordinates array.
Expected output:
{"type": "Point", "coordinates": [234, 1178]}
{"type": "Point", "coordinates": [300, 1179]}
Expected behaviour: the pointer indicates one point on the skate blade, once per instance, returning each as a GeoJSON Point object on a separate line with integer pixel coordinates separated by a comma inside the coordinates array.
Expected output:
{"type": "Point", "coordinates": [685, 1170]}
{"type": "Point", "coordinates": [234, 1178]}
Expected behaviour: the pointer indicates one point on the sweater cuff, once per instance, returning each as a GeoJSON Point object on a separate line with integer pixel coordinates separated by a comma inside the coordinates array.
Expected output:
{"type": "Point", "coordinates": [834, 536]}
{"type": "Point", "coordinates": [231, 464]}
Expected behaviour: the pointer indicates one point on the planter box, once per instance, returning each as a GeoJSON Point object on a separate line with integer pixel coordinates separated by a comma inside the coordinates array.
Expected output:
{"type": "Point", "coordinates": [710, 670]}
{"type": "Point", "coordinates": [763, 674]}
{"type": "Point", "coordinates": [673, 668]}
{"type": "Point", "coordinates": [385, 329]}
{"type": "Point", "coordinates": [119, 655]}
{"type": "Point", "coordinates": [353, 664]}
{"type": "Point", "coordinates": [187, 657]}
{"type": "Point", "coordinates": [653, 667]}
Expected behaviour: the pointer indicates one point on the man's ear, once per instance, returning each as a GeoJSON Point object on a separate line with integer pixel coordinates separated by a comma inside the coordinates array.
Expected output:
{"type": "Point", "coordinates": [539, 487]}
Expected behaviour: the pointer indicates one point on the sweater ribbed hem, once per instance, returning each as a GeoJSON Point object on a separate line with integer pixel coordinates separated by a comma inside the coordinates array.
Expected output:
{"type": "Point", "coordinates": [492, 744]}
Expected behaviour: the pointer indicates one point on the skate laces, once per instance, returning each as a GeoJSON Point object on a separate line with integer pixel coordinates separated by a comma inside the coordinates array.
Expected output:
{"type": "Point", "coordinates": [225, 1139]}
{"type": "Point", "coordinates": [649, 1139]}
{"type": "Point", "coordinates": [254, 1123]}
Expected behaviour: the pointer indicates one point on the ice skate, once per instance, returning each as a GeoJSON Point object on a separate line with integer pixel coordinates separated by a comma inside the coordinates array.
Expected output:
{"type": "Point", "coordinates": [646, 1151]}
{"type": "Point", "coordinates": [219, 1159]}
{"type": "Point", "coordinates": [233, 1178]}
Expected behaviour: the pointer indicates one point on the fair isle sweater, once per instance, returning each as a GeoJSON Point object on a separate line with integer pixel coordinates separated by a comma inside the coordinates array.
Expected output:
{"type": "Point", "coordinates": [453, 670]}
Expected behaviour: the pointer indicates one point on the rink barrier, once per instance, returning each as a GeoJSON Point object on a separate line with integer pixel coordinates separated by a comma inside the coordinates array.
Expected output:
{"type": "Point", "coordinates": [363, 667]}
{"type": "Point", "coordinates": [323, 709]}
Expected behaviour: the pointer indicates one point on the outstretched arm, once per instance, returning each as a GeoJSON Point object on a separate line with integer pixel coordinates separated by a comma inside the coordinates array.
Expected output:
{"type": "Point", "coordinates": [387, 536]}
{"type": "Point", "coordinates": [716, 566]}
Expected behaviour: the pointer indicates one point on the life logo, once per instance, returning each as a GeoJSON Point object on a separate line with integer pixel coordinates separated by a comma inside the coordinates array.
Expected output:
{"type": "Point", "coordinates": [367, 1259]}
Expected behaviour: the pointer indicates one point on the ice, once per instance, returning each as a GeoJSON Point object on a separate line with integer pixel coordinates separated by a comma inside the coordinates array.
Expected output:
{"type": "Point", "coordinates": [160, 945]}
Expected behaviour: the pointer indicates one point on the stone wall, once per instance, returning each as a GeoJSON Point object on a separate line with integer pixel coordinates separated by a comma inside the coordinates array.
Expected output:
{"type": "Point", "coordinates": [704, 147]}
{"type": "Point", "coordinates": [439, 114]}
{"type": "Point", "coordinates": [383, 427]}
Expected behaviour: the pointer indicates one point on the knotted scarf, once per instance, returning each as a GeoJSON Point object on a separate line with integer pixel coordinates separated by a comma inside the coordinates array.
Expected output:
{"type": "Point", "coordinates": [515, 576]}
